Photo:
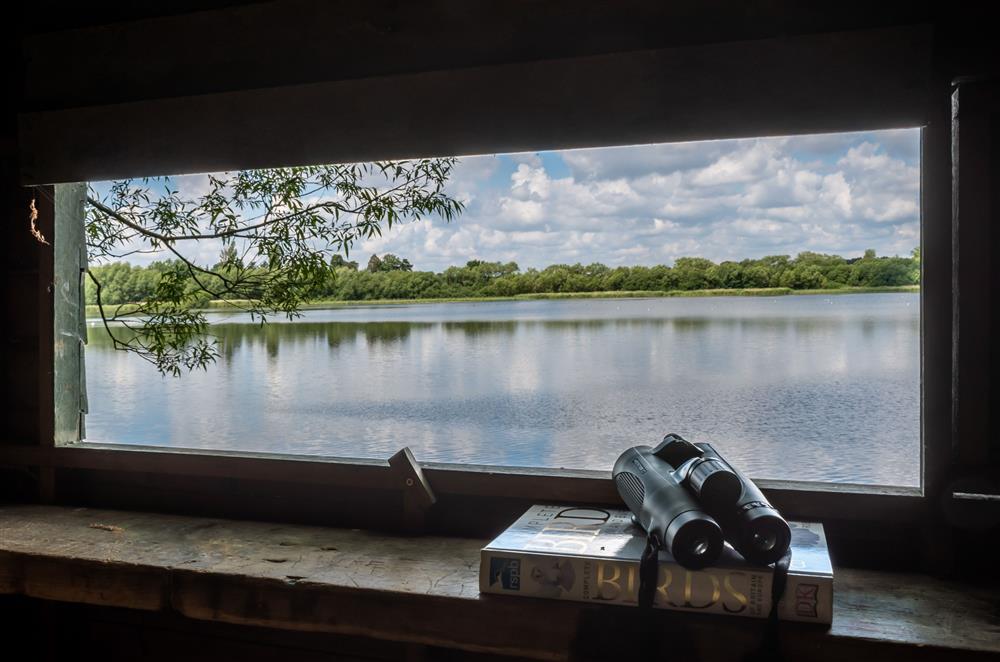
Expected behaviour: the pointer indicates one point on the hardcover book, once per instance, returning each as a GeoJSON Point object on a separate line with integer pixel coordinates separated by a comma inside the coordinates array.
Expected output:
{"type": "Point", "coordinates": [587, 554]}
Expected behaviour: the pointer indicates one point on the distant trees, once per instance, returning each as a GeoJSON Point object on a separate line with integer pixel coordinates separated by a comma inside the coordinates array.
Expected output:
{"type": "Point", "coordinates": [695, 273]}
{"type": "Point", "coordinates": [123, 283]}
{"type": "Point", "coordinates": [338, 261]}
{"type": "Point", "coordinates": [392, 277]}
{"type": "Point", "coordinates": [388, 262]}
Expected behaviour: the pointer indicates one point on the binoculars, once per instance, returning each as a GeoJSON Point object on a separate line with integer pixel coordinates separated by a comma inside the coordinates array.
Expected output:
{"type": "Point", "coordinates": [691, 500]}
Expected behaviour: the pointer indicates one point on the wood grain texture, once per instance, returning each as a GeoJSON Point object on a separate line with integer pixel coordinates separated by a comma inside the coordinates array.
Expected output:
{"type": "Point", "coordinates": [425, 590]}
{"type": "Point", "coordinates": [804, 84]}
{"type": "Point", "coordinates": [797, 500]}
{"type": "Point", "coordinates": [70, 327]}
{"type": "Point", "coordinates": [263, 44]}
{"type": "Point", "coordinates": [975, 155]}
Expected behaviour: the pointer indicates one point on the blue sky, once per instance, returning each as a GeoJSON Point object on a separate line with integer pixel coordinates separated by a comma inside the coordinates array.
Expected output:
{"type": "Point", "coordinates": [650, 204]}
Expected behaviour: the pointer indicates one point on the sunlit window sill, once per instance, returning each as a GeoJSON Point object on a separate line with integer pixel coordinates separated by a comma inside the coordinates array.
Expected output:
{"type": "Point", "coordinates": [425, 590]}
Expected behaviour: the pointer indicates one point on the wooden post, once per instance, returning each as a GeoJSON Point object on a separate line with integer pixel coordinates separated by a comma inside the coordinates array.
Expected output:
{"type": "Point", "coordinates": [43, 199]}
{"type": "Point", "coordinates": [70, 330]}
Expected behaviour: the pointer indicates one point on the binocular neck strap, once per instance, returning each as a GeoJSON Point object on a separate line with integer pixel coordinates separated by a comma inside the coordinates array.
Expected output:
{"type": "Point", "coordinates": [649, 571]}
{"type": "Point", "coordinates": [778, 583]}
{"type": "Point", "coordinates": [770, 647]}
{"type": "Point", "coordinates": [648, 576]}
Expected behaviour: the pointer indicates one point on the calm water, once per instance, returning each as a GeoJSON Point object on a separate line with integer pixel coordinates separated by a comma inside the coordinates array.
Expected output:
{"type": "Point", "coordinates": [797, 387]}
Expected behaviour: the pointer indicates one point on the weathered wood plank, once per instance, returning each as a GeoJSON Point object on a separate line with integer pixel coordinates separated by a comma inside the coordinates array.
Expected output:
{"type": "Point", "coordinates": [797, 500]}
{"type": "Point", "coordinates": [347, 558]}
{"type": "Point", "coordinates": [70, 330]}
{"type": "Point", "coordinates": [936, 315]}
{"type": "Point", "coordinates": [262, 44]}
{"type": "Point", "coordinates": [976, 168]}
{"type": "Point", "coordinates": [44, 200]}
{"type": "Point", "coordinates": [815, 83]}
{"type": "Point", "coordinates": [422, 590]}
{"type": "Point", "coordinates": [212, 464]}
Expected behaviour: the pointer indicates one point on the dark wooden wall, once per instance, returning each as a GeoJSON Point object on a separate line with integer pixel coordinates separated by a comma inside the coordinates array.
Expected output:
{"type": "Point", "coordinates": [59, 631]}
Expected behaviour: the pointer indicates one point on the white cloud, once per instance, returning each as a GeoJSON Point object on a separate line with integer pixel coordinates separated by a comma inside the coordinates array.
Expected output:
{"type": "Point", "coordinates": [865, 156]}
{"type": "Point", "coordinates": [635, 162]}
{"type": "Point", "coordinates": [729, 199]}
{"type": "Point", "coordinates": [660, 225]}
{"type": "Point", "coordinates": [836, 192]}
{"type": "Point", "coordinates": [757, 226]}
{"type": "Point", "coordinates": [529, 183]}
{"type": "Point", "coordinates": [894, 210]}
{"type": "Point", "coordinates": [523, 212]}
{"type": "Point", "coordinates": [740, 167]}
{"type": "Point", "coordinates": [675, 249]}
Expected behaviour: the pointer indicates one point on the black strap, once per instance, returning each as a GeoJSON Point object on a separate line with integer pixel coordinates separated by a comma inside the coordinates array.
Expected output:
{"type": "Point", "coordinates": [769, 649]}
{"type": "Point", "coordinates": [649, 571]}
{"type": "Point", "coordinates": [779, 582]}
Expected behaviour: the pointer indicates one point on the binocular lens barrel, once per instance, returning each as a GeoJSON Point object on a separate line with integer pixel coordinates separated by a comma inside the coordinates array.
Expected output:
{"type": "Point", "coordinates": [761, 537]}
{"type": "Point", "coordinates": [694, 540]}
{"type": "Point", "coordinates": [666, 510]}
{"type": "Point", "coordinates": [689, 497]}
{"type": "Point", "coordinates": [715, 484]}
{"type": "Point", "coordinates": [752, 525]}
{"type": "Point", "coordinates": [764, 542]}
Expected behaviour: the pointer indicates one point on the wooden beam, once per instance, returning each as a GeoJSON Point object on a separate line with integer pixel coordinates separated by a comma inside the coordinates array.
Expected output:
{"type": "Point", "coordinates": [280, 42]}
{"type": "Point", "coordinates": [212, 464]}
{"type": "Point", "coordinates": [936, 315]}
{"type": "Point", "coordinates": [44, 201]}
{"type": "Point", "coordinates": [976, 205]}
{"type": "Point", "coordinates": [809, 501]}
{"type": "Point", "coordinates": [805, 84]}
{"type": "Point", "coordinates": [425, 590]}
{"type": "Point", "coordinates": [69, 261]}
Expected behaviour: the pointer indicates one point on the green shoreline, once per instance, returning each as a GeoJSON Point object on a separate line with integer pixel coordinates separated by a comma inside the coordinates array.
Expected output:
{"type": "Point", "coordinates": [92, 310]}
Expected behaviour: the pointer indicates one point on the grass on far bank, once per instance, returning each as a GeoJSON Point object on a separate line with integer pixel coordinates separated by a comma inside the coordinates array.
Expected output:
{"type": "Point", "coordinates": [124, 309]}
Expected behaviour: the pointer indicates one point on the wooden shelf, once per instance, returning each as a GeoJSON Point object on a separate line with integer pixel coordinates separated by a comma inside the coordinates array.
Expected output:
{"type": "Point", "coordinates": [425, 590]}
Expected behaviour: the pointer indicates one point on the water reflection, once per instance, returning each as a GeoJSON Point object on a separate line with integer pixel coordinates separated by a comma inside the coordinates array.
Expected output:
{"type": "Point", "coordinates": [790, 387]}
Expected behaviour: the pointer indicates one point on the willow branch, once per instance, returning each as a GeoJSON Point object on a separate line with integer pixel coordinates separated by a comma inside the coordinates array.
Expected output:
{"type": "Point", "coordinates": [166, 239]}
{"type": "Point", "coordinates": [118, 344]}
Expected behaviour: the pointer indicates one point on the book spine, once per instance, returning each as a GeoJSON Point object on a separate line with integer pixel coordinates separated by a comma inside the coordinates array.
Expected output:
{"type": "Point", "coordinates": [808, 599]}
{"type": "Point", "coordinates": [730, 591]}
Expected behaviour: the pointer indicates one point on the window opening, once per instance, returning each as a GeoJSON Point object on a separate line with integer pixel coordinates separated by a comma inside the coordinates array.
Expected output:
{"type": "Point", "coordinates": [760, 294]}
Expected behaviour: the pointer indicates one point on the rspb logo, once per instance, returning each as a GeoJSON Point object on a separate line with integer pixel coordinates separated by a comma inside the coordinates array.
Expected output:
{"type": "Point", "coordinates": [806, 596]}
{"type": "Point", "coordinates": [507, 572]}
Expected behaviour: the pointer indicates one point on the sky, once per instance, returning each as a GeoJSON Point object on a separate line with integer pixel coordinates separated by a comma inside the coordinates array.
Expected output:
{"type": "Point", "coordinates": [651, 204]}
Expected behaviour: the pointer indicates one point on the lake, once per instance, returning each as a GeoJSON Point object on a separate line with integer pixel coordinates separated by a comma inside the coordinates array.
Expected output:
{"type": "Point", "coordinates": [790, 387]}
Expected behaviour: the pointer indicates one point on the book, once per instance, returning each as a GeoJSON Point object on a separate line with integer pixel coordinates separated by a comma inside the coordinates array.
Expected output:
{"type": "Point", "coordinates": [592, 555]}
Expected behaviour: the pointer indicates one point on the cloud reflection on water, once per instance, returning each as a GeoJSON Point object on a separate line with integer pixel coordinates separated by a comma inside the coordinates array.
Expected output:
{"type": "Point", "coordinates": [805, 387]}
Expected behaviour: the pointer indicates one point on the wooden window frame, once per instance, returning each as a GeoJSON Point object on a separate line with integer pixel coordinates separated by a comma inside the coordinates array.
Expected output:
{"type": "Point", "coordinates": [102, 473]}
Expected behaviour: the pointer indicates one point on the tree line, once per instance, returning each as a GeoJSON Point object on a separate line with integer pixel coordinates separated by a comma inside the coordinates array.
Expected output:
{"type": "Point", "coordinates": [391, 277]}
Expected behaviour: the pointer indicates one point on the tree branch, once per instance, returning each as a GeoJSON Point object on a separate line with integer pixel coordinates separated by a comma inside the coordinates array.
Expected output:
{"type": "Point", "coordinates": [166, 239]}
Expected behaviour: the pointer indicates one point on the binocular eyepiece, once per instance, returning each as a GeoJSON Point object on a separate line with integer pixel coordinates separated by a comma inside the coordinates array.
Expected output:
{"type": "Point", "coordinates": [691, 500]}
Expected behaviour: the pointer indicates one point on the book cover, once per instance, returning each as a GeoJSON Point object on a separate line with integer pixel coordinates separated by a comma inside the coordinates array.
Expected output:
{"type": "Point", "coordinates": [588, 554]}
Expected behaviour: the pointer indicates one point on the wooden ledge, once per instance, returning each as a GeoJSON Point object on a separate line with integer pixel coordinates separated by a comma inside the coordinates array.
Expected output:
{"type": "Point", "coordinates": [425, 590]}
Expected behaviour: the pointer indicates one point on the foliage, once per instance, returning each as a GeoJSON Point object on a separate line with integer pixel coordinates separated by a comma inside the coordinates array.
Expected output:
{"type": "Point", "coordinates": [278, 229]}
{"type": "Point", "coordinates": [337, 261]}
{"type": "Point", "coordinates": [488, 279]}
{"type": "Point", "coordinates": [389, 262]}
